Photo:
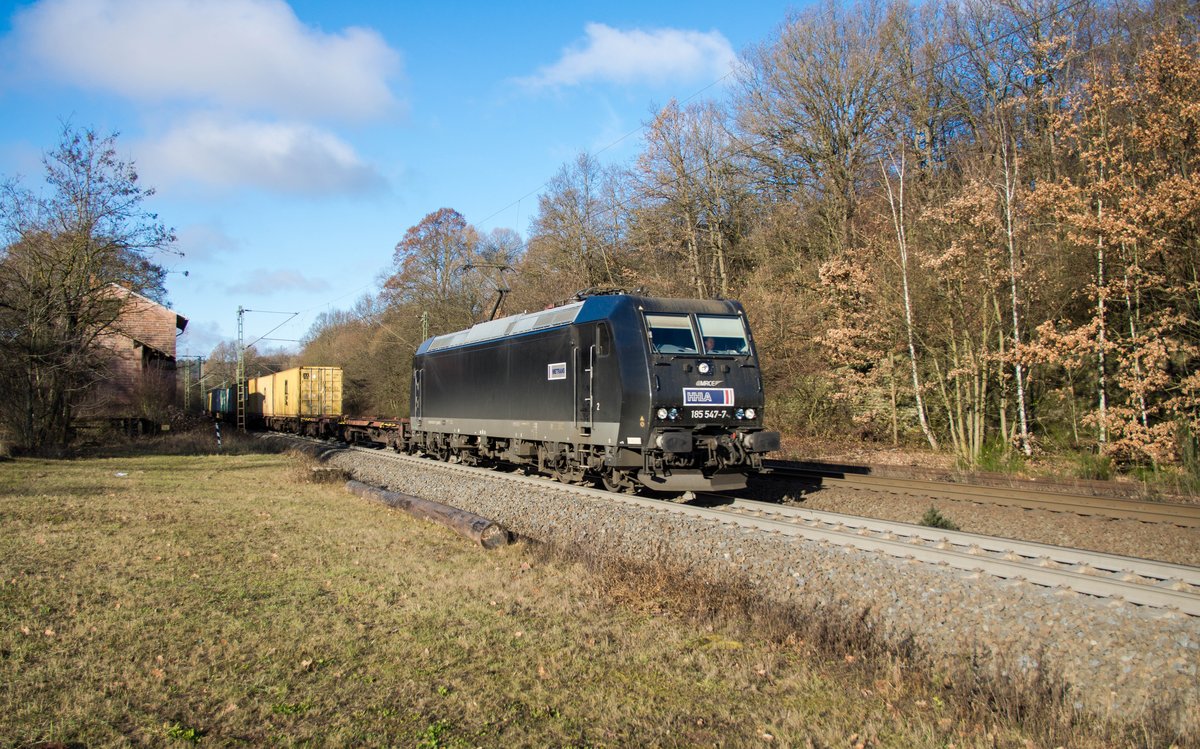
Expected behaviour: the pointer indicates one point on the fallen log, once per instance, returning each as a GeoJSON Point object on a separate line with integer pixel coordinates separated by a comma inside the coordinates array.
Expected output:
{"type": "Point", "coordinates": [484, 532]}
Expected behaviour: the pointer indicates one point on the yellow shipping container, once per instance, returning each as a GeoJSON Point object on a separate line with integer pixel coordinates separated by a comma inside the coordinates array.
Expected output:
{"type": "Point", "coordinates": [306, 392]}
{"type": "Point", "coordinates": [258, 401]}
{"type": "Point", "coordinates": [259, 392]}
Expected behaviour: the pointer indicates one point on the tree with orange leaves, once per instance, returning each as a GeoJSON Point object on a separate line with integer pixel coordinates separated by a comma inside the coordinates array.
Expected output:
{"type": "Point", "coordinates": [1134, 203]}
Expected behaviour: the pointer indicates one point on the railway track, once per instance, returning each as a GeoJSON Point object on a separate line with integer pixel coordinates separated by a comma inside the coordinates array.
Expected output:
{"type": "Point", "coordinates": [1171, 588]}
{"type": "Point", "coordinates": [1079, 504]}
{"type": "Point", "coordinates": [1139, 581]}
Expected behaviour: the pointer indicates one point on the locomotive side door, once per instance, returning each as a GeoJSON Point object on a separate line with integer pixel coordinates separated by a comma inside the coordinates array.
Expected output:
{"type": "Point", "coordinates": [416, 395]}
{"type": "Point", "coordinates": [584, 340]}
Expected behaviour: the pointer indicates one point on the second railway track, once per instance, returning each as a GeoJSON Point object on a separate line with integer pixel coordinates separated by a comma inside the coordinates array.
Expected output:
{"type": "Point", "coordinates": [1138, 581]}
{"type": "Point", "coordinates": [1152, 512]}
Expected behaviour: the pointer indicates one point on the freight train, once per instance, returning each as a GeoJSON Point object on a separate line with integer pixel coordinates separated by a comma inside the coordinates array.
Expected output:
{"type": "Point", "coordinates": [625, 390]}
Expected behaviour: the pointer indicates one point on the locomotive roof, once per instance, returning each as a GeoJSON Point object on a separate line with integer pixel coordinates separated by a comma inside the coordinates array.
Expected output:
{"type": "Point", "coordinates": [504, 327]}
{"type": "Point", "coordinates": [590, 308]}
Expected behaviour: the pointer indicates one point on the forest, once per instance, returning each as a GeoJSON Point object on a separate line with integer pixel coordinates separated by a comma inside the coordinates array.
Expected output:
{"type": "Point", "coordinates": [967, 226]}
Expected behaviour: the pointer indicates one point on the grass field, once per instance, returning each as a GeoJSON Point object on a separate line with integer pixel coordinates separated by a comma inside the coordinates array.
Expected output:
{"type": "Point", "coordinates": [230, 600]}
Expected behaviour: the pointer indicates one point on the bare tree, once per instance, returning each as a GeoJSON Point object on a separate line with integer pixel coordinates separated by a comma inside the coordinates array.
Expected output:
{"type": "Point", "coordinates": [895, 197]}
{"type": "Point", "coordinates": [429, 265]}
{"type": "Point", "coordinates": [571, 226]}
{"type": "Point", "coordinates": [693, 194]}
{"type": "Point", "coordinates": [63, 248]}
{"type": "Point", "coordinates": [813, 102]}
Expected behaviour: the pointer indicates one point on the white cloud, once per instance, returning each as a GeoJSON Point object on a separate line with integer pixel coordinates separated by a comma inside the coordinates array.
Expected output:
{"type": "Point", "coordinates": [199, 338]}
{"type": "Point", "coordinates": [636, 56]}
{"type": "Point", "coordinates": [252, 55]}
{"type": "Point", "coordinates": [266, 283]}
{"type": "Point", "coordinates": [203, 242]}
{"type": "Point", "coordinates": [280, 157]}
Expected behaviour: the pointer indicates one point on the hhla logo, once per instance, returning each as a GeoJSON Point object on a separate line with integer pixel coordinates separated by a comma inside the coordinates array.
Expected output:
{"type": "Point", "coordinates": [708, 396]}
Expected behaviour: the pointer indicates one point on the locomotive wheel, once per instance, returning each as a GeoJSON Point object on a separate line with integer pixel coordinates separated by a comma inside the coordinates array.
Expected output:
{"type": "Point", "coordinates": [617, 481]}
{"type": "Point", "coordinates": [567, 473]}
{"type": "Point", "coordinates": [564, 470]}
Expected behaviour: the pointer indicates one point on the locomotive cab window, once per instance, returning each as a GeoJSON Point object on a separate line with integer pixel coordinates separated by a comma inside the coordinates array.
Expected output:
{"type": "Point", "coordinates": [671, 334]}
{"type": "Point", "coordinates": [723, 335]}
{"type": "Point", "coordinates": [603, 340]}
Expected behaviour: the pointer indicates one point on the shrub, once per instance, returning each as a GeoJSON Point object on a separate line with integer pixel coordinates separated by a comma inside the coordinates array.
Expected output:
{"type": "Point", "coordinates": [934, 519]}
{"type": "Point", "coordinates": [998, 456]}
{"type": "Point", "coordinates": [1089, 465]}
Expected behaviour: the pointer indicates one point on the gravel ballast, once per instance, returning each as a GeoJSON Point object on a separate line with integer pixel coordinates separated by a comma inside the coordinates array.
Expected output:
{"type": "Point", "coordinates": [1132, 538]}
{"type": "Point", "coordinates": [1120, 661]}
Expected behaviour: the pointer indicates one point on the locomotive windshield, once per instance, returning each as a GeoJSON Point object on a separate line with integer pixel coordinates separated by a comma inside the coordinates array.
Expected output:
{"type": "Point", "coordinates": [671, 334]}
{"type": "Point", "coordinates": [723, 335]}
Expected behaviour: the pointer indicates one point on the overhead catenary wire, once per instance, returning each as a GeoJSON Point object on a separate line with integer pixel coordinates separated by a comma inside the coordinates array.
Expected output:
{"type": "Point", "coordinates": [291, 316]}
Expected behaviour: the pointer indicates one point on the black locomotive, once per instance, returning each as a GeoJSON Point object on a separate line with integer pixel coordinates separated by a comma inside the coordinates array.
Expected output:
{"type": "Point", "coordinates": [631, 390]}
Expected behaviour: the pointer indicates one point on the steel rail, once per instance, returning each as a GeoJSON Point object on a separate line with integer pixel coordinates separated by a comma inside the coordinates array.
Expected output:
{"type": "Point", "coordinates": [1080, 504]}
{"type": "Point", "coordinates": [890, 539]}
{"type": "Point", "coordinates": [1148, 569]}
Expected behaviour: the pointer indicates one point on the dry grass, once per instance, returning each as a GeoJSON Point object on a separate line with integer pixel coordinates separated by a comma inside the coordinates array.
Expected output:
{"type": "Point", "coordinates": [217, 599]}
{"type": "Point", "coordinates": [199, 439]}
{"type": "Point", "coordinates": [843, 643]}
{"type": "Point", "coordinates": [307, 467]}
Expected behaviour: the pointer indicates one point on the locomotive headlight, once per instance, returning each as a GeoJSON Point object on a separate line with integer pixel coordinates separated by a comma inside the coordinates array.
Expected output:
{"type": "Point", "coordinates": [740, 413]}
{"type": "Point", "coordinates": [704, 367]}
{"type": "Point", "coordinates": [674, 413]}
{"type": "Point", "coordinates": [661, 413]}
{"type": "Point", "coordinates": [751, 413]}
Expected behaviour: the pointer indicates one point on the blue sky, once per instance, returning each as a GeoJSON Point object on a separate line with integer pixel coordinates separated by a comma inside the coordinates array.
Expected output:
{"type": "Point", "coordinates": [292, 145]}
